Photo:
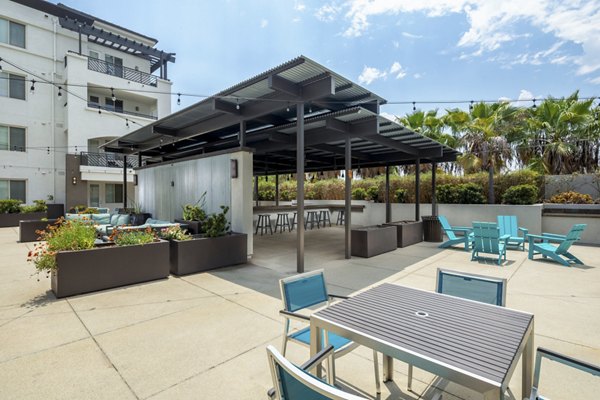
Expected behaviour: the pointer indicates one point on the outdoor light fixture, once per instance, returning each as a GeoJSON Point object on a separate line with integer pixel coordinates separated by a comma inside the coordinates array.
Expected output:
{"type": "Point", "coordinates": [172, 183]}
{"type": "Point", "coordinates": [59, 91]}
{"type": "Point", "coordinates": [112, 94]}
{"type": "Point", "coordinates": [414, 106]}
{"type": "Point", "coordinates": [534, 106]}
{"type": "Point", "coordinates": [32, 88]}
{"type": "Point", "coordinates": [234, 168]}
{"type": "Point", "coordinates": [178, 99]}
{"type": "Point", "coordinates": [237, 104]}
{"type": "Point", "coordinates": [74, 180]}
{"type": "Point", "coordinates": [135, 180]}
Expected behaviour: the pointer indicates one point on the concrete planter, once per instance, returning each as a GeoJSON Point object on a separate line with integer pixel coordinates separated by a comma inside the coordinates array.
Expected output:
{"type": "Point", "coordinates": [108, 267]}
{"type": "Point", "coordinates": [193, 227]}
{"type": "Point", "coordinates": [407, 232]}
{"type": "Point", "coordinates": [8, 220]}
{"type": "Point", "coordinates": [55, 211]}
{"type": "Point", "coordinates": [27, 229]}
{"type": "Point", "coordinates": [203, 253]}
{"type": "Point", "coordinates": [373, 240]}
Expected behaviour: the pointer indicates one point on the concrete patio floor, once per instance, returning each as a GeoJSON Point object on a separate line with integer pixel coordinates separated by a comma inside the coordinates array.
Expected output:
{"type": "Point", "coordinates": [204, 335]}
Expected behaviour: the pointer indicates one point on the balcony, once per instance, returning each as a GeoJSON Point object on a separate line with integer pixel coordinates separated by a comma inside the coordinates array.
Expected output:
{"type": "Point", "coordinates": [119, 110]}
{"type": "Point", "coordinates": [109, 160]}
{"type": "Point", "coordinates": [120, 71]}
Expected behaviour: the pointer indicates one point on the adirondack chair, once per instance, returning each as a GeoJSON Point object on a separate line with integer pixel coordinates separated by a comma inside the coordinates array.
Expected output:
{"type": "Point", "coordinates": [508, 226]}
{"type": "Point", "coordinates": [467, 239]}
{"type": "Point", "coordinates": [560, 252]}
{"type": "Point", "coordinates": [487, 240]}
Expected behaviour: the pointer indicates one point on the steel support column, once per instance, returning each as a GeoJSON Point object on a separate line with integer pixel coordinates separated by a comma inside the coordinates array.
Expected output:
{"type": "Point", "coordinates": [348, 199]}
{"type": "Point", "coordinates": [242, 136]}
{"type": "Point", "coordinates": [388, 203]}
{"type": "Point", "coordinates": [124, 181]}
{"type": "Point", "coordinates": [418, 189]}
{"type": "Point", "coordinates": [256, 189]}
{"type": "Point", "coordinates": [277, 190]}
{"type": "Point", "coordinates": [300, 187]}
{"type": "Point", "coordinates": [434, 210]}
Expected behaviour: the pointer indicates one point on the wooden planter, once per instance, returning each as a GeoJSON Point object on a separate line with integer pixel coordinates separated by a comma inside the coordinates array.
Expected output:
{"type": "Point", "coordinates": [27, 229]}
{"type": "Point", "coordinates": [203, 254]}
{"type": "Point", "coordinates": [108, 267]}
{"type": "Point", "coordinates": [8, 220]}
{"type": "Point", "coordinates": [373, 240]}
{"type": "Point", "coordinates": [407, 232]}
{"type": "Point", "coordinates": [193, 227]}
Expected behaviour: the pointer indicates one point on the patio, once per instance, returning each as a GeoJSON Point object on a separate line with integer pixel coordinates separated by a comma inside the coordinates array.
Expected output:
{"type": "Point", "coordinates": [204, 335]}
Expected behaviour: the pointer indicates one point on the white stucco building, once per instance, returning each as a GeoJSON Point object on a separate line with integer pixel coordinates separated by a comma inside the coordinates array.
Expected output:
{"type": "Point", "coordinates": [94, 81]}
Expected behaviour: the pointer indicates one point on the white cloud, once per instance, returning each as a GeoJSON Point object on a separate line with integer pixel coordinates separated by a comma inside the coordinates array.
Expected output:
{"type": "Point", "coordinates": [417, 76]}
{"type": "Point", "coordinates": [503, 99]}
{"type": "Point", "coordinates": [370, 74]}
{"type": "Point", "coordinates": [595, 81]}
{"type": "Point", "coordinates": [327, 13]}
{"type": "Point", "coordinates": [396, 44]}
{"type": "Point", "coordinates": [396, 69]}
{"type": "Point", "coordinates": [264, 23]}
{"type": "Point", "coordinates": [296, 19]}
{"type": "Point", "coordinates": [411, 35]}
{"type": "Point", "coordinates": [299, 6]}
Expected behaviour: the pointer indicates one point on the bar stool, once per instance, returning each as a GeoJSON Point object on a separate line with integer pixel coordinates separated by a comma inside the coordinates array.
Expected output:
{"type": "Point", "coordinates": [294, 222]}
{"type": "Point", "coordinates": [340, 218]}
{"type": "Point", "coordinates": [263, 223]}
{"type": "Point", "coordinates": [312, 217]}
{"type": "Point", "coordinates": [282, 221]}
{"type": "Point", "coordinates": [324, 218]}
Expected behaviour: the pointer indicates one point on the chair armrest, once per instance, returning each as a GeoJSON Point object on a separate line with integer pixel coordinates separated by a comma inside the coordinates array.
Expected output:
{"type": "Point", "coordinates": [569, 361]}
{"type": "Point", "coordinates": [524, 230]}
{"type": "Point", "coordinates": [546, 238]}
{"type": "Point", "coordinates": [317, 358]}
{"type": "Point", "coordinates": [293, 315]}
{"type": "Point", "coordinates": [504, 237]}
{"type": "Point", "coordinates": [554, 235]}
{"type": "Point", "coordinates": [338, 296]}
{"type": "Point", "coordinates": [460, 229]}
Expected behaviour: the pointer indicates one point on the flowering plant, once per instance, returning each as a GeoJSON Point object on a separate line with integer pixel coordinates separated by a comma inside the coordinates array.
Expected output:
{"type": "Point", "coordinates": [174, 233]}
{"type": "Point", "coordinates": [132, 237]}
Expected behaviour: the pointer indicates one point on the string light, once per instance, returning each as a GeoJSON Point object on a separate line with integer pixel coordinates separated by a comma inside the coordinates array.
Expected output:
{"type": "Point", "coordinates": [414, 106]}
{"type": "Point", "coordinates": [99, 110]}
{"type": "Point", "coordinates": [48, 150]}
{"type": "Point", "coordinates": [178, 99]}
{"type": "Point", "coordinates": [534, 106]}
{"type": "Point", "coordinates": [127, 122]}
{"type": "Point", "coordinates": [288, 107]}
{"type": "Point", "coordinates": [471, 106]}
{"type": "Point", "coordinates": [237, 105]}
{"type": "Point", "coordinates": [112, 94]}
{"type": "Point", "coordinates": [32, 88]}
{"type": "Point", "coordinates": [309, 108]}
{"type": "Point", "coordinates": [59, 91]}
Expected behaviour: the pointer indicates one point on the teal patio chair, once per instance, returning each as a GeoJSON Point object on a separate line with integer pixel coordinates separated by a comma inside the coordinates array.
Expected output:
{"type": "Point", "coordinates": [487, 240]}
{"type": "Point", "coordinates": [296, 383]}
{"type": "Point", "coordinates": [467, 239]}
{"type": "Point", "coordinates": [560, 252]}
{"type": "Point", "coordinates": [561, 359]}
{"type": "Point", "coordinates": [304, 292]}
{"type": "Point", "coordinates": [508, 225]}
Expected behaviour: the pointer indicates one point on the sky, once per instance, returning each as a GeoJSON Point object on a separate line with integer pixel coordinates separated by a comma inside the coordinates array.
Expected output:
{"type": "Point", "coordinates": [405, 51]}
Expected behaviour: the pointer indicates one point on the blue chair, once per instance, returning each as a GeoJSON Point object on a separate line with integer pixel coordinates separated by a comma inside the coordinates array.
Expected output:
{"type": "Point", "coordinates": [305, 291]}
{"type": "Point", "coordinates": [560, 252]}
{"type": "Point", "coordinates": [296, 383]}
{"type": "Point", "coordinates": [561, 359]}
{"type": "Point", "coordinates": [488, 240]}
{"type": "Point", "coordinates": [466, 239]}
{"type": "Point", "coordinates": [509, 226]}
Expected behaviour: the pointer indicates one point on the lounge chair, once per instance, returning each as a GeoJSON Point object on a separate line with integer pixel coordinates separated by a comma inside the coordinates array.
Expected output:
{"type": "Point", "coordinates": [487, 240]}
{"type": "Point", "coordinates": [560, 252]}
{"type": "Point", "coordinates": [508, 225]}
{"type": "Point", "coordinates": [466, 239]}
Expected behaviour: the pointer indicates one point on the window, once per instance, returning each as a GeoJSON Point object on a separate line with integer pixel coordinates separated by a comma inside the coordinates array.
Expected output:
{"type": "Point", "coordinates": [114, 193]}
{"type": "Point", "coordinates": [12, 189]}
{"type": "Point", "coordinates": [116, 105]}
{"type": "Point", "coordinates": [94, 101]}
{"type": "Point", "coordinates": [12, 138]}
{"type": "Point", "coordinates": [12, 86]}
{"type": "Point", "coordinates": [114, 65]}
{"type": "Point", "coordinates": [12, 33]}
{"type": "Point", "coordinates": [94, 54]}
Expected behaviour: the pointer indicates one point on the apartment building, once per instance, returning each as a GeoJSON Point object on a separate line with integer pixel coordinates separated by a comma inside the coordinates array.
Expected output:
{"type": "Point", "coordinates": [69, 83]}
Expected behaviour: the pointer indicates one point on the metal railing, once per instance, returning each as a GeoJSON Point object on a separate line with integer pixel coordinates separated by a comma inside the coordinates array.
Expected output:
{"type": "Point", "coordinates": [109, 160]}
{"type": "Point", "coordinates": [95, 64]}
{"type": "Point", "coordinates": [92, 104]}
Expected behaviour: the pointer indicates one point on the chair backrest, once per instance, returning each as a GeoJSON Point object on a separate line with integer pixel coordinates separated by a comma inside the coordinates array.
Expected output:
{"type": "Point", "coordinates": [292, 383]}
{"type": "Point", "coordinates": [561, 359]}
{"type": "Point", "coordinates": [573, 236]}
{"type": "Point", "coordinates": [485, 289]}
{"type": "Point", "coordinates": [508, 225]}
{"type": "Point", "coordinates": [486, 235]}
{"type": "Point", "coordinates": [446, 227]}
{"type": "Point", "coordinates": [303, 290]}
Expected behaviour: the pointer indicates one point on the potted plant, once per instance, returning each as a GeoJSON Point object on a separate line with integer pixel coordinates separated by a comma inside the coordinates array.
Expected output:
{"type": "Point", "coordinates": [138, 216]}
{"type": "Point", "coordinates": [194, 216]}
{"type": "Point", "coordinates": [77, 263]}
{"type": "Point", "coordinates": [217, 248]}
{"type": "Point", "coordinates": [11, 212]}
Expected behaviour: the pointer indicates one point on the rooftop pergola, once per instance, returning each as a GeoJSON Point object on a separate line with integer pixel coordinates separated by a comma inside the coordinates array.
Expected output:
{"type": "Point", "coordinates": [298, 117]}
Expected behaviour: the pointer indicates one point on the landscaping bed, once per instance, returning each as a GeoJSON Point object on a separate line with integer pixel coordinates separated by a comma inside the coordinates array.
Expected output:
{"type": "Point", "coordinates": [12, 219]}
{"type": "Point", "coordinates": [373, 240]}
{"type": "Point", "coordinates": [28, 229]}
{"type": "Point", "coordinates": [407, 232]}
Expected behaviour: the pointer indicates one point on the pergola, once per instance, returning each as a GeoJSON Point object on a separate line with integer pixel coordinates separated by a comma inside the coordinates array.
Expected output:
{"type": "Point", "coordinates": [298, 117]}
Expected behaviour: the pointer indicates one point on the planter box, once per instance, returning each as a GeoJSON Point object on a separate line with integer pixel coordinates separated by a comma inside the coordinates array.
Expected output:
{"type": "Point", "coordinates": [55, 211]}
{"type": "Point", "coordinates": [108, 267]}
{"type": "Point", "coordinates": [27, 229]}
{"type": "Point", "coordinates": [407, 232]}
{"type": "Point", "coordinates": [202, 254]}
{"type": "Point", "coordinates": [193, 227]}
{"type": "Point", "coordinates": [7, 220]}
{"type": "Point", "coordinates": [139, 219]}
{"type": "Point", "coordinates": [373, 240]}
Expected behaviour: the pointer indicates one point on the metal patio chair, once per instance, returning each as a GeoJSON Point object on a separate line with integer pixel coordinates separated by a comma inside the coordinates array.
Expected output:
{"type": "Point", "coordinates": [561, 359]}
{"type": "Point", "coordinates": [293, 382]}
{"type": "Point", "coordinates": [488, 240]}
{"type": "Point", "coordinates": [301, 293]}
{"type": "Point", "coordinates": [508, 225]}
{"type": "Point", "coordinates": [466, 239]}
{"type": "Point", "coordinates": [560, 252]}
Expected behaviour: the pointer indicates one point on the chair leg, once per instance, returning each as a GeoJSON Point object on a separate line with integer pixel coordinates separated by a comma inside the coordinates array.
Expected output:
{"type": "Point", "coordinates": [376, 365]}
{"type": "Point", "coordinates": [410, 374]}
{"type": "Point", "coordinates": [286, 328]}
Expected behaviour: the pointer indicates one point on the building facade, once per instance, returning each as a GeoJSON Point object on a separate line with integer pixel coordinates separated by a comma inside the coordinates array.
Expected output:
{"type": "Point", "coordinates": [69, 83]}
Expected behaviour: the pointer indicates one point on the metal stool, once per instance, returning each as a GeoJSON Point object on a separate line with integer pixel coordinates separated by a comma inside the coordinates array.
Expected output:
{"type": "Point", "coordinates": [263, 223]}
{"type": "Point", "coordinates": [324, 218]}
{"type": "Point", "coordinates": [282, 221]}
{"type": "Point", "coordinates": [294, 222]}
{"type": "Point", "coordinates": [340, 218]}
{"type": "Point", "coordinates": [312, 217]}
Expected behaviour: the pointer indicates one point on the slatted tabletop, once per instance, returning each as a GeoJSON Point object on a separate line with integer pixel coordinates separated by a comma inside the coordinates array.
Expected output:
{"type": "Point", "coordinates": [478, 339]}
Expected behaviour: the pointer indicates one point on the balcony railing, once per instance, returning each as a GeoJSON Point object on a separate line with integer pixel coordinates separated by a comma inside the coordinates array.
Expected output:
{"type": "Point", "coordinates": [109, 160]}
{"type": "Point", "coordinates": [97, 106]}
{"type": "Point", "coordinates": [95, 64]}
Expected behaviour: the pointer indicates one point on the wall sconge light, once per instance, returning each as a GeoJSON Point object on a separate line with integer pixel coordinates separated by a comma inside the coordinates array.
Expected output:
{"type": "Point", "coordinates": [74, 180]}
{"type": "Point", "coordinates": [135, 180]}
{"type": "Point", "coordinates": [234, 168]}
{"type": "Point", "coordinates": [172, 183]}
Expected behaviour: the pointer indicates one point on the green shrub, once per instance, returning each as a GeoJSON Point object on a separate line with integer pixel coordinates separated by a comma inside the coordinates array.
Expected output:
{"type": "Point", "coordinates": [266, 190]}
{"type": "Point", "coordinates": [466, 193]}
{"type": "Point", "coordinates": [217, 224]}
{"type": "Point", "coordinates": [174, 233]}
{"type": "Point", "coordinates": [448, 194]}
{"type": "Point", "coordinates": [134, 237]}
{"type": "Point", "coordinates": [373, 193]}
{"type": "Point", "coordinates": [10, 206]}
{"type": "Point", "coordinates": [359, 194]}
{"type": "Point", "coordinates": [521, 194]}
{"type": "Point", "coordinates": [38, 206]}
{"type": "Point", "coordinates": [571, 198]}
{"type": "Point", "coordinates": [287, 190]}
{"type": "Point", "coordinates": [400, 195]}
{"type": "Point", "coordinates": [195, 212]}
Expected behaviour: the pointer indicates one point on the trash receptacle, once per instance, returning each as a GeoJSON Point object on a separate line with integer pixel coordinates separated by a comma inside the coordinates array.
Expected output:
{"type": "Point", "coordinates": [432, 229]}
